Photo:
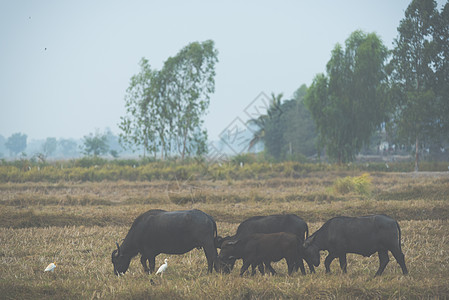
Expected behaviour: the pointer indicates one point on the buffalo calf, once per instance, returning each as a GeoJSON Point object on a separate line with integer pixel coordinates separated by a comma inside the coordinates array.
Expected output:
{"type": "Point", "coordinates": [257, 249]}
{"type": "Point", "coordinates": [269, 224]}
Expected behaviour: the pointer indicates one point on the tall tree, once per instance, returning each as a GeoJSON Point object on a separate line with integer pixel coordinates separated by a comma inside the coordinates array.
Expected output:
{"type": "Point", "coordinates": [261, 123]}
{"type": "Point", "coordinates": [189, 82]}
{"type": "Point", "coordinates": [274, 127]}
{"type": "Point", "coordinates": [299, 135]}
{"type": "Point", "coordinates": [140, 122]}
{"type": "Point", "coordinates": [441, 66]}
{"type": "Point", "coordinates": [165, 108]}
{"type": "Point", "coordinates": [16, 143]}
{"type": "Point", "coordinates": [259, 130]}
{"type": "Point", "coordinates": [413, 75]}
{"type": "Point", "coordinates": [348, 104]}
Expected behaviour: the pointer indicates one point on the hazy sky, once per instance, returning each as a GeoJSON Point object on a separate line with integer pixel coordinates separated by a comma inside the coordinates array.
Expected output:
{"type": "Point", "coordinates": [65, 65]}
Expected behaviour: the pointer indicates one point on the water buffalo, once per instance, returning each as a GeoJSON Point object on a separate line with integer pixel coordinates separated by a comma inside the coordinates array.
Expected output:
{"type": "Point", "coordinates": [360, 235]}
{"type": "Point", "coordinates": [268, 224]}
{"type": "Point", "coordinates": [260, 248]}
{"type": "Point", "coordinates": [158, 231]}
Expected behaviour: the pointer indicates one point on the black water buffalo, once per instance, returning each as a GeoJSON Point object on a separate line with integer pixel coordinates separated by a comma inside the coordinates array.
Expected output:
{"type": "Point", "coordinates": [158, 231]}
{"type": "Point", "coordinates": [360, 235]}
{"type": "Point", "coordinates": [268, 224]}
{"type": "Point", "coordinates": [260, 248]}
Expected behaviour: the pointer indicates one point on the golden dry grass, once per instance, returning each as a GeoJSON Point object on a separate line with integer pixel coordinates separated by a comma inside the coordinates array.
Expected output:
{"type": "Point", "coordinates": [76, 225]}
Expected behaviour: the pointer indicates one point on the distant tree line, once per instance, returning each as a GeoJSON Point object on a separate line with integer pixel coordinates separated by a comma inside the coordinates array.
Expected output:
{"type": "Point", "coordinates": [93, 144]}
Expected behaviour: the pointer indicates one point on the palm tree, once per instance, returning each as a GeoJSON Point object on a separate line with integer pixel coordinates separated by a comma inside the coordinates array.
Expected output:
{"type": "Point", "coordinates": [261, 121]}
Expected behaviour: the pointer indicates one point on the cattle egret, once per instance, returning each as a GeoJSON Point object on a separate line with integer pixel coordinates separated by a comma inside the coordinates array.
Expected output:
{"type": "Point", "coordinates": [50, 267]}
{"type": "Point", "coordinates": [162, 268]}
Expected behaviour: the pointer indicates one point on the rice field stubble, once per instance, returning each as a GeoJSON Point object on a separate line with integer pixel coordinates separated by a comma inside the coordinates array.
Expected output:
{"type": "Point", "coordinates": [76, 224]}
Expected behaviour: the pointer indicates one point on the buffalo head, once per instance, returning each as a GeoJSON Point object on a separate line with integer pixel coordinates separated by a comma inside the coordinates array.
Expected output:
{"type": "Point", "coordinates": [227, 256]}
{"type": "Point", "coordinates": [120, 262]}
{"type": "Point", "coordinates": [312, 252]}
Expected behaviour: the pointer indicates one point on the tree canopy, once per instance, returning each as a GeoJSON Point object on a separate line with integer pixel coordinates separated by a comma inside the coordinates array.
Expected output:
{"type": "Point", "coordinates": [348, 103]}
{"type": "Point", "coordinates": [16, 143]}
{"type": "Point", "coordinates": [165, 107]}
{"type": "Point", "coordinates": [95, 144]}
{"type": "Point", "coordinates": [419, 74]}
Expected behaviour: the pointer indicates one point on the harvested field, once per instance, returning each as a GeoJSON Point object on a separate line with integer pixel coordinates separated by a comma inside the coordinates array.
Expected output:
{"type": "Point", "coordinates": [76, 225]}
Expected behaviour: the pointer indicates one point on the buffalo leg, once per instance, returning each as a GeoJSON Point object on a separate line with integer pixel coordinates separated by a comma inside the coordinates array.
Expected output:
{"type": "Point", "coordinates": [311, 267]}
{"type": "Point", "coordinates": [261, 268]}
{"type": "Point", "coordinates": [254, 268]}
{"type": "Point", "coordinates": [300, 263]}
{"type": "Point", "coordinates": [270, 268]}
{"type": "Point", "coordinates": [399, 256]}
{"type": "Point", "coordinates": [383, 261]}
{"type": "Point", "coordinates": [291, 266]}
{"type": "Point", "coordinates": [143, 261]}
{"type": "Point", "coordinates": [327, 262]}
{"type": "Point", "coordinates": [245, 267]}
{"type": "Point", "coordinates": [343, 262]}
{"type": "Point", "coordinates": [211, 255]}
{"type": "Point", "coordinates": [152, 263]}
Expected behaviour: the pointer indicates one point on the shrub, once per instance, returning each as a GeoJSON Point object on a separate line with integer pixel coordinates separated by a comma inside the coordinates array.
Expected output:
{"type": "Point", "coordinates": [360, 185]}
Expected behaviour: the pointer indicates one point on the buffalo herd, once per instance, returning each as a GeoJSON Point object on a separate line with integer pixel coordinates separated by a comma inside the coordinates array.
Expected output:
{"type": "Point", "coordinates": [259, 241]}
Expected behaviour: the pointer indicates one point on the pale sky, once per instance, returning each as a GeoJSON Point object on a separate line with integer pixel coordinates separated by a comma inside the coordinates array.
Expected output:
{"type": "Point", "coordinates": [65, 65]}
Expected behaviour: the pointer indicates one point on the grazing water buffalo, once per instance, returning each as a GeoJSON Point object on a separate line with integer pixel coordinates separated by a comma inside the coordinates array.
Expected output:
{"type": "Point", "coordinates": [360, 235]}
{"type": "Point", "coordinates": [259, 248]}
{"type": "Point", "coordinates": [158, 231]}
{"type": "Point", "coordinates": [268, 224]}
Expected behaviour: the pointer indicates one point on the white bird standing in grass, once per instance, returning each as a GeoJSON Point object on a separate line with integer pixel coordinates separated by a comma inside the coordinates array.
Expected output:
{"type": "Point", "coordinates": [162, 268]}
{"type": "Point", "coordinates": [50, 267]}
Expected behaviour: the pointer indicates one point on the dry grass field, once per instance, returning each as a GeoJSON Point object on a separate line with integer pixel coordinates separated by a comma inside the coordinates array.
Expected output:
{"type": "Point", "coordinates": [75, 225]}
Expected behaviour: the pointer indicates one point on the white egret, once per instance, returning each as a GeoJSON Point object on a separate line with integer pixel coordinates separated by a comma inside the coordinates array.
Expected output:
{"type": "Point", "coordinates": [50, 267]}
{"type": "Point", "coordinates": [162, 268]}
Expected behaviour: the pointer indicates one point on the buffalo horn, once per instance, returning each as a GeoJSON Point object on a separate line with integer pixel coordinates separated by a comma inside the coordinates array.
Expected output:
{"type": "Point", "coordinates": [118, 249]}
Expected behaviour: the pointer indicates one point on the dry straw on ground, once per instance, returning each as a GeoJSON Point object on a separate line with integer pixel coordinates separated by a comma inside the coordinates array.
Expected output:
{"type": "Point", "coordinates": [76, 224]}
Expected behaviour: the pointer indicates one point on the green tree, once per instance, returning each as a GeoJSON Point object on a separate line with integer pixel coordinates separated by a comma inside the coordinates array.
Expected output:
{"type": "Point", "coordinates": [139, 125]}
{"type": "Point", "coordinates": [299, 134]}
{"type": "Point", "coordinates": [441, 65]}
{"type": "Point", "coordinates": [349, 103]}
{"type": "Point", "coordinates": [189, 80]}
{"type": "Point", "coordinates": [68, 147]}
{"type": "Point", "coordinates": [113, 142]}
{"type": "Point", "coordinates": [259, 131]}
{"type": "Point", "coordinates": [413, 74]}
{"type": "Point", "coordinates": [49, 147]}
{"type": "Point", "coordinates": [95, 144]}
{"type": "Point", "coordinates": [286, 130]}
{"type": "Point", "coordinates": [274, 126]}
{"type": "Point", "coordinates": [16, 143]}
{"type": "Point", "coordinates": [263, 121]}
{"type": "Point", "coordinates": [165, 108]}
